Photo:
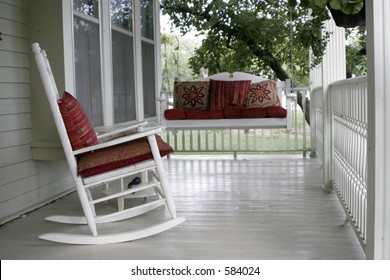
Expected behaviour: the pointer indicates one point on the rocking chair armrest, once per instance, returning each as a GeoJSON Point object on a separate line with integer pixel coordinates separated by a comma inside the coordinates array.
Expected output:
{"type": "Point", "coordinates": [121, 132]}
{"type": "Point", "coordinates": [120, 140]}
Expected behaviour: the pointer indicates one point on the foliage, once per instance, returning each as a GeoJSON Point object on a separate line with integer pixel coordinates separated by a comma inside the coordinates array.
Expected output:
{"type": "Point", "coordinates": [256, 36]}
{"type": "Point", "coordinates": [346, 6]}
{"type": "Point", "coordinates": [356, 52]}
{"type": "Point", "coordinates": [175, 53]}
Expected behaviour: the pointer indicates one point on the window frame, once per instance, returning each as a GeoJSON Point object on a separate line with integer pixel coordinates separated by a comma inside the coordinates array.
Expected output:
{"type": "Point", "coordinates": [105, 29]}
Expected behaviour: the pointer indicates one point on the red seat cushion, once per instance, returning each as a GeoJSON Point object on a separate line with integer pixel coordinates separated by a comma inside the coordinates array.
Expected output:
{"type": "Point", "coordinates": [78, 126]}
{"type": "Point", "coordinates": [203, 115]}
{"type": "Point", "coordinates": [254, 113]}
{"type": "Point", "coordinates": [276, 112]}
{"type": "Point", "coordinates": [223, 93]}
{"type": "Point", "coordinates": [118, 156]}
{"type": "Point", "coordinates": [231, 112]}
{"type": "Point", "coordinates": [174, 114]}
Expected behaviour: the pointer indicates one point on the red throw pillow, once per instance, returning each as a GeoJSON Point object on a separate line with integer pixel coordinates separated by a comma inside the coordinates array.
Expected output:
{"type": "Point", "coordinates": [118, 156]}
{"type": "Point", "coordinates": [174, 114]}
{"type": "Point", "coordinates": [254, 113]}
{"type": "Point", "coordinates": [78, 126]}
{"type": "Point", "coordinates": [231, 112]}
{"type": "Point", "coordinates": [262, 95]}
{"type": "Point", "coordinates": [276, 112]}
{"type": "Point", "coordinates": [223, 93]}
{"type": "Point", "coordinates": [191, 95]}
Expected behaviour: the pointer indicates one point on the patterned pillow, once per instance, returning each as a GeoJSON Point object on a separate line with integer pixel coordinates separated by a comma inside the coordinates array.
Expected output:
{"type": "Point", "coordinates": [191, 95]}
{"type": "Point", "coordinates": [78, 126]}
{"type": "Point", "coordinates": [262, 95]}
{"type": "Point", "coordinates": [119, 156]}
{"type": "Point", "coordinates": [223, 93]}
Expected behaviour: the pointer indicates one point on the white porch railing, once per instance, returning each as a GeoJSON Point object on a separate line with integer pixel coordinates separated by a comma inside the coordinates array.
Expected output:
{"type": "Point", "coordinates": [244, 140]}
{"type": "Point", "coordinates": [347, 101]}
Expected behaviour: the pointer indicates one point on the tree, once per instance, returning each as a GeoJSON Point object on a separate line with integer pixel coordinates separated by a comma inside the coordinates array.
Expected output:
{"type": "Point", "coordinates": [176, 52]}
{"type": "Point", "coordinates": [263, 37]}
{"type": "Point", "coordinates": [356, 52]}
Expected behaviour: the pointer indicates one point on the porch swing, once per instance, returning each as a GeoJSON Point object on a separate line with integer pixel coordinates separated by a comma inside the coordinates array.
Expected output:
{"type": "Point", "coordinates": [278, 115]}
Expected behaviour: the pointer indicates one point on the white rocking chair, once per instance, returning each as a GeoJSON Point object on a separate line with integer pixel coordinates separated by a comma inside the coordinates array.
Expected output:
{"type": "Point", "coordinates": [95, 162]}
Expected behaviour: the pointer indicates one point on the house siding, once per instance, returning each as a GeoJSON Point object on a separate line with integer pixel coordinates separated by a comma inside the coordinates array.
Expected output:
{"type": "Point", "coordinates": [25, 183]}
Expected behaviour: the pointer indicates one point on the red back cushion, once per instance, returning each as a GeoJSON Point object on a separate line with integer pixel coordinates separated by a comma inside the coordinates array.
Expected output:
{"type": "Point", "coordinates": [223, 93]}
{"type": "Point", "coordinates": [191, 95]}
{"type": "Point", "coordinates": [78, 126]}
{"type": "Point", "coordinates": [262, 95]}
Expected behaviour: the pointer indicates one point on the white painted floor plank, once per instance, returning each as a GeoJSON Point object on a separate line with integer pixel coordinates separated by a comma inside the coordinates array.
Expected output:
{"type": "Point", "coordinates": [255, 207]}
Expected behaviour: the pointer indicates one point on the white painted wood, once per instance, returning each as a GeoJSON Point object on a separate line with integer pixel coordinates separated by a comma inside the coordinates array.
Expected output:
{"type": "Point", "coordinates": [106, 62]}
{"type": "Point", "coordinates": [68, 41]}
{"type": "Point", "coordinates": [12, 59]}
{"type": "Point", "coordinates": [47, 150]}
{"type": "Point", "coordinates": [137, 44]}
{"type": "Point", "coordinates": [87, 199]}
{"type": "Point", "coordinates": [111, 238]}
{"type": "Point", "coordinates": [254, 208]}
{"type": "Point", "coordinates": [25, 184]}
{"type": "Point", "coordinates": [348, 106]}
{"type": "Point", "coordinates": [333, 68]}
{"type": "Point", "coordinates": [378, 45]}
{"type": "Point", "coordinates": [126, 214]}
{"type": "Point", "coordinates": [157, 56]}
{"type": "Point", "coordinates": [15, 138]}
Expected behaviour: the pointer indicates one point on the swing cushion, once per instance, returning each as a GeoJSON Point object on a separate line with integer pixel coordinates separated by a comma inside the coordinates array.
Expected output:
{"type": "Point", "coordinates": [276, 112]}
{"type": "Point", "coordinates": [80, 130]}
{"type": "Point", "coordinates": [175, 114]}
{"type": "Point", "coordinates": [118, 156]}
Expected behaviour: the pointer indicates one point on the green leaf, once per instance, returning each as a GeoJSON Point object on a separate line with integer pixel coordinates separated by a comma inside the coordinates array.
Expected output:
{"type": "Point", "coordinates": [321, 3]}
{"type": "Point", "coordinates": [335, 4]}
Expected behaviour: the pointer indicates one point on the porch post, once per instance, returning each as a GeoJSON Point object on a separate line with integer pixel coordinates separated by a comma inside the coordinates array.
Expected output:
{"type": "Point", "coordinates": [378, 191]}
{"type": "Point", "coordinates": [333, 69]}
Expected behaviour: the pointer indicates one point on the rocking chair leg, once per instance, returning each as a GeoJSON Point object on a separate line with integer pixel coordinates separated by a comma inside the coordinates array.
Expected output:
{"type": "Point", "coordinates": [121, 200]}
{"type": "Point", "coordinates": [161, 172]}
{"type": "Point", "coordinates": [88, 212]}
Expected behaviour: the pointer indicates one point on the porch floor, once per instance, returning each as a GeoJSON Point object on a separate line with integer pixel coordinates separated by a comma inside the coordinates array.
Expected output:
{"type": "Point", "coordinates": [256, 207]}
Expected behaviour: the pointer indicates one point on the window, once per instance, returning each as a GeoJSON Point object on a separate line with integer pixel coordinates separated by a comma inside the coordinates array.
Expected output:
{"type": "Point", "coordinates": [120, 101]}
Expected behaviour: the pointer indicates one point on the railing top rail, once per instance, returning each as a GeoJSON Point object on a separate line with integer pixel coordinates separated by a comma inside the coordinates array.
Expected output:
{"type": "Point", "coordinates": [349, 81]}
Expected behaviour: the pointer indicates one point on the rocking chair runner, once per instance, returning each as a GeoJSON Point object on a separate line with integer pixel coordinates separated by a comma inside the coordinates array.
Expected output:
{"type": "Point", "coordinates": [99, 160]}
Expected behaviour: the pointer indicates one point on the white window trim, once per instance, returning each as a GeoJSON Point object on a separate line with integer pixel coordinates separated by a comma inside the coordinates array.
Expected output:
{"type": "Point", "coordinates": [106, 57]}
